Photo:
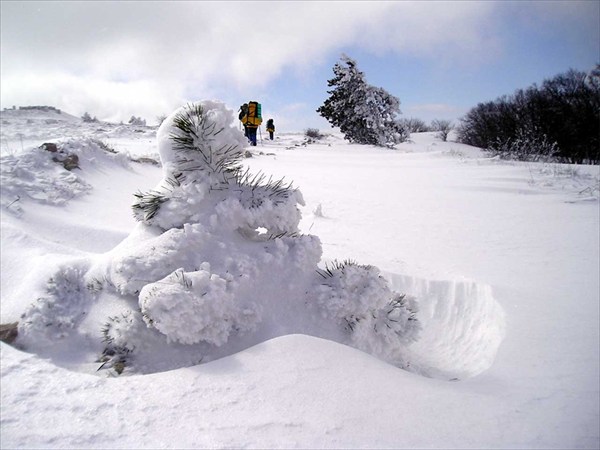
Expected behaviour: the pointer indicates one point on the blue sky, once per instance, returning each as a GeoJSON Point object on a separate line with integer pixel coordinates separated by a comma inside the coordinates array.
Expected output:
{"type": "Point", "coordinates": [117, 59]}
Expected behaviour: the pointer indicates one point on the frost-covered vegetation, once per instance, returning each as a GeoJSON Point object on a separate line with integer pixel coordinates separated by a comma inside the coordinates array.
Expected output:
{"type": "Point", "coordinates": [217, 259]}
{"type": "Point", "coordinates": [364, 114]}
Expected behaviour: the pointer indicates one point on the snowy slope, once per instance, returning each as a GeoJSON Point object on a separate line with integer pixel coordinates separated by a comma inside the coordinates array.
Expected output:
{"type": "Point", "coordinates": [497, 252]}
{"type": "Point", "coordinates": [21, 129]}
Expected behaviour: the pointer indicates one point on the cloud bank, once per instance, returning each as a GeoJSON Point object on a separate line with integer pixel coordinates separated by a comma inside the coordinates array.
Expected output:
{"type": "Point", "coordinates": [117, 59]}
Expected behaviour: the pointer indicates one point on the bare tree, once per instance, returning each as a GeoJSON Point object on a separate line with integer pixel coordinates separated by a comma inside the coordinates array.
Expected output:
{"type": "Point", "coordinates": [414, 125]}
{"type": "Point", "coordinates": [443, 128]}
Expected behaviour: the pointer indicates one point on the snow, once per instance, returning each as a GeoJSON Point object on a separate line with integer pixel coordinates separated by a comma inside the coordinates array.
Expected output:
{"type": "Point", "coordinates": [502, 259]}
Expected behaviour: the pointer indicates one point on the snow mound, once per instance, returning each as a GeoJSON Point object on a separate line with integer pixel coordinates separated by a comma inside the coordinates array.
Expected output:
{"type": "Point", "coordinates": [22, 127]}
{"type": "Point", "coordinates": [463, 326]}
{"type": "Point", "coordinates": [225, 391]}
{"type": "Point", "coordinates": [35, 175]}
{"type": "Point", "coordinates": [42, 176]}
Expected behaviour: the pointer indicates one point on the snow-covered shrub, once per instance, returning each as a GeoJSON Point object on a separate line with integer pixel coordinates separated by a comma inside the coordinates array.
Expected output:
{"type": "Point", "coordinates": [57, 313]}
{"type": "Point", "coordinates": [201, 154]}
{"type": "Point", "coordinates": [527, 145]}
{"type": "Point", "coordinates": [217, 263]}
{"type": "Point", "coordinates": [88, 119]}
{"type": "Point", "coordinates": [313, 133]}
{"type": "Point", "coordinates": [358, 299]}
{"type": "Point", "coordinates": [131, 346]}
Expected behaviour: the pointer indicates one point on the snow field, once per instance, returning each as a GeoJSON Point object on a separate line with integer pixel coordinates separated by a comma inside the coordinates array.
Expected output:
{"type": "Point", "coordinates": [490, 249]}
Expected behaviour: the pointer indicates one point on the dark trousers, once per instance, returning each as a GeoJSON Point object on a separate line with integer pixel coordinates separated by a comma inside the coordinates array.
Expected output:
{"type": "Point", "coordinates": [251, 134]}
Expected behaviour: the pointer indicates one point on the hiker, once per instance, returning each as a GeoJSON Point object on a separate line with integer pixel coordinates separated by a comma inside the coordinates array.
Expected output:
{"type": "Point", "coordinates": [243, 112]}
{"type": "Point", "coordinates": [251, 119]}
{"type": "Point", "coordinates": [270, 128]}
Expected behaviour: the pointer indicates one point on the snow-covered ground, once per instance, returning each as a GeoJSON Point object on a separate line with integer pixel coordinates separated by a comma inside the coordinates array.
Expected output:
{"type": "Point", "coordinates": [502, 257]}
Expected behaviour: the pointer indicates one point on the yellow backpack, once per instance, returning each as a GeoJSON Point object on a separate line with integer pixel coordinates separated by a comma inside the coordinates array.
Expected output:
{"type": "Point", "coordinates": [253, 118]}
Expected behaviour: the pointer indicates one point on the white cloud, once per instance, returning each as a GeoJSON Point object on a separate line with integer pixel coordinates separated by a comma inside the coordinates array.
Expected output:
{"type": "Point", "coordinates": [456, 30]}
{"type": "Point", "coordinates": [108, 100]}
{"type": "Point", "coordinates": [142, 57]}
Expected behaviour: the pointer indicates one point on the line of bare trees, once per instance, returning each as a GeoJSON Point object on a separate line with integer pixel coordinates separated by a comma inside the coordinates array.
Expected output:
{"type": "Point", "coordinates": [559, 121]}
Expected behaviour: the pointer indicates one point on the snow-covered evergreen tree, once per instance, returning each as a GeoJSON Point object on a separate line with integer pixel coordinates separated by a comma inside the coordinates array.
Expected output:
{"type": "Point", "coordinates": [365, 114]}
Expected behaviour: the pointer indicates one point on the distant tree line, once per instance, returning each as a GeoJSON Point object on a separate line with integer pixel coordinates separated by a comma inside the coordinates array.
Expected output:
{"type": "Point", "coordinates": [442, 127]}
{"type": "Point", "coordinates": [87, 118]}
{"type": "Point", "coordinates": [559, 121]}
{"type": "Point", "coordinates": [38, 108]}
{"type": "Point", "coordinates": [137, 121]}
{"type": "Point", "coordinates": [133, 120]}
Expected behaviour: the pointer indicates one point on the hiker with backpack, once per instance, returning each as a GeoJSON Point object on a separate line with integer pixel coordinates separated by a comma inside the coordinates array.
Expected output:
{"type": "Point", "coordinates": [270, 128]}
{"type": "Point", "coordinates": [251, 118]}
